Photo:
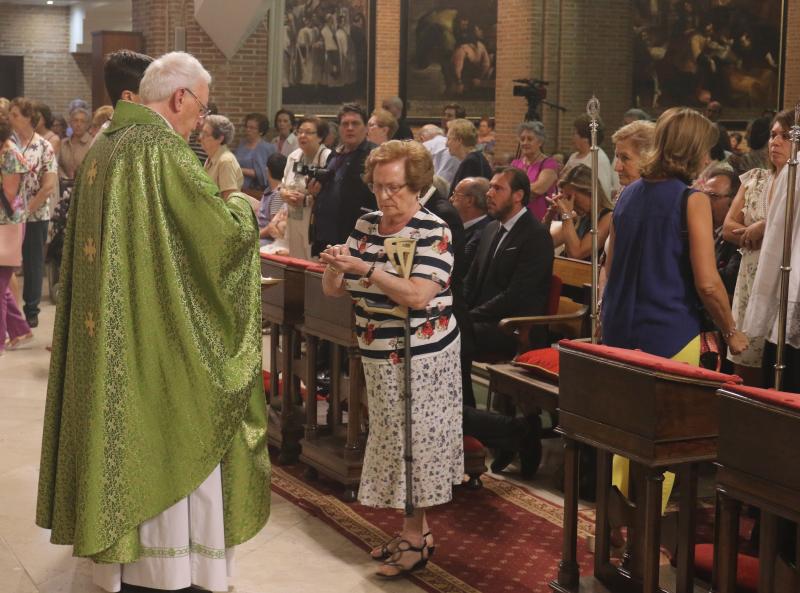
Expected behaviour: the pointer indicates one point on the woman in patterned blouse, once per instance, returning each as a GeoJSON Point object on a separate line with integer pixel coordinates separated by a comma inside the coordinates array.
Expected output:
{"type": "Point", "coordinates": [398, 172]}
{"type": "Point", "coordinates": [12, 167]}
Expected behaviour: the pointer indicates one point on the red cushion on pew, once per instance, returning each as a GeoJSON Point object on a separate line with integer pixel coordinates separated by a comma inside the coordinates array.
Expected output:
{"type": "Point", "coordinates": [472, 445]}
{"type": "Point", "coordinates": [303, 391]}
{"type": "Point", "coordinates": [783, 399]}
{"type": "Point", "coordinates": [316, 268]}
{"type": "Point", "coordinates": [746, 568]}
{"type": "Point", "coordinates": [542, 362]}
{"type": "Point", "coordinates": [651, 362]}
{"type": "Point", "coordinates": [293, 262]}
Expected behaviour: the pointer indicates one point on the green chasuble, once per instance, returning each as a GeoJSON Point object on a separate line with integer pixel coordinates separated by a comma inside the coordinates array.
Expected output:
{"type": "Point", "coordinates": [155, 376]}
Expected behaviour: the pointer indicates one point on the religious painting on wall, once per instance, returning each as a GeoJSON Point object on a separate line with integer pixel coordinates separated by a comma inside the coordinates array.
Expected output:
{"type": "Point", "coordinates": [326, 54]}
{"type": "Point", "coordinates": [693, 52]}
{"type": "Point", "coordinates": [448, 54]}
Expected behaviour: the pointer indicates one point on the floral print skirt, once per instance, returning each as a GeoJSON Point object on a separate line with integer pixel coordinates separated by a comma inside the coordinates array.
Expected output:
{"type": "Point", "coordinates": [437, 437]}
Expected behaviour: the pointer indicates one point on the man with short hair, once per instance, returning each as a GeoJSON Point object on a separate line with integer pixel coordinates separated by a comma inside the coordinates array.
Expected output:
{"type": "Point", "coordinates": [343, 197]}
{"type": "Point", "coordinates": [434, 140]}
{"type": "Point", "coordinates": [394, 105]}
{"type": "Point", "coordinates": [450, 112]}
{"type": "Point", "coordinates": [721, 187]}
{"type": "Point", "coordinates": [510, 276]}
{"type": "Point", "coordinates": [122, 74]}
{"type": "Point", "coordinates": [469, 199]}
{"type": "Point", "coordinates": [155, 424]}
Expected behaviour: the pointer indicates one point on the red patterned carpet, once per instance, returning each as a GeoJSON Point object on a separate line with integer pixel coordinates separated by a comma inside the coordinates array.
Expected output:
{"type": "Point", "coordinates": [499, 539]}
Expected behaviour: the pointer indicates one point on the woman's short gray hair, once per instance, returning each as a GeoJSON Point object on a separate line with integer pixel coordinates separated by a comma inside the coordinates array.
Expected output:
{"type": "Point", "coordinates": [172, 71]}
{"type": "Point", "coordinates": [76, 110]}
{"type": "Point", "coordinates": [221, 127]}
{"type": "Point", "coordinates": [534, 127]}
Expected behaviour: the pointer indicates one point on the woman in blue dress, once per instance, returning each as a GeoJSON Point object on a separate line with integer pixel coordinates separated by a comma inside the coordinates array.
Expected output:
{"type": "Point", "coordinates": [253, 152]}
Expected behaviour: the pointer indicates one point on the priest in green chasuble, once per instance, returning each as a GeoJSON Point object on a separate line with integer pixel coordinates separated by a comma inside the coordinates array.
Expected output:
{"type": "Point", "coordinates": [154, 454]}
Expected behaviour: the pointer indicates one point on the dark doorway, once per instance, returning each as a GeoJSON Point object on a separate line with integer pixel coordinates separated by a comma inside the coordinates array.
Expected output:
{"type": "Point", "coordinates": [11, 77]}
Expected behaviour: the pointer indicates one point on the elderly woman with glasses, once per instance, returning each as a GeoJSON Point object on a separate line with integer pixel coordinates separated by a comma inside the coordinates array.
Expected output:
{"type": "Point", "coordinates": [74, 148]}
{"type": "Point", "coordinates": [221, 165]}
{"type": "Point", "coordinates": [542, 170]}
{"type": "Point", "coordinates": [399, 173]}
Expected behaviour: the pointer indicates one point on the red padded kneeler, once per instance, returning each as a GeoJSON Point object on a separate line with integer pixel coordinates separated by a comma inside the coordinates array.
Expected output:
{"type": "Point", "coordinates": [542, 362]}
{"type": "Point", "coordinates": [650, 362]}
{"type": "Point", "coordinates": [783, 399]}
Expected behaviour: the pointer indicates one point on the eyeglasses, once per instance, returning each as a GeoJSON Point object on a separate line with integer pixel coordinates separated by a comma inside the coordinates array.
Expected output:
{"type": "Point", "coordinates": [389, 190]}
{"type": "Point", "coordinates": [204, 110]}
{"type": "Point", "coordinates": [303, 132]}
{"type": "Point", "coordinates": [715, 196]}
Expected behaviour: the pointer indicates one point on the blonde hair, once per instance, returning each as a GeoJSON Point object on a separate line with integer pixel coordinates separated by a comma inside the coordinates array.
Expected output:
{"type": "Point", "coordinates": [385, 119]}
{"type": "Point", "coordinates": [580, 177]}
{"type": "Point", "coordinates": [464, 131]}
{"type": "Point", "coordinates": [418, 162]}
{"type": "Point", "coordinates": [639, 133]}
{"type": "Point", "coordinates": [101, 115]}
{"type": "Point", "coordinates": [682, 141]}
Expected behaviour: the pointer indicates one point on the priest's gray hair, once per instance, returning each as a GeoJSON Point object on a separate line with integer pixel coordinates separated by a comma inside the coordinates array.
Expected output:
{"type": "Point", "coordinates": [221, 127]}
{"type": "Point", "coordinates": [172, 71]}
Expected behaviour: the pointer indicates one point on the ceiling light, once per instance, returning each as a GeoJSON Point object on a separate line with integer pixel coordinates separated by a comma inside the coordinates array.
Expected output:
{"type": "Point", "coordinates": [50, 2]}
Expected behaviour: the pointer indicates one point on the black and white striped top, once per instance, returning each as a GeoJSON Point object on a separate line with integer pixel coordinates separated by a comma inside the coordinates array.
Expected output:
{"type": "Point", "coordinates": [380, 336]}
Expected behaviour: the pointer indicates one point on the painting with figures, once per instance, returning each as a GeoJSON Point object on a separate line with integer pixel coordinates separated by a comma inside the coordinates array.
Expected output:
{"type": "Point", "coordinates": [693, 52]}
{"type": "Point", "coordinates": [450, 49]}
{"type": "Point", "coordinates": [325, 54]}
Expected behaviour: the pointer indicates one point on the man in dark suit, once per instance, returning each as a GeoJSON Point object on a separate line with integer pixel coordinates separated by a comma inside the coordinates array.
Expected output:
{"type": "Point", "coordinates": [510, 276]}
{"type": "Point", "coordinates": [342, 197]}
{"type": "Point", "coordinates": [469, 198]}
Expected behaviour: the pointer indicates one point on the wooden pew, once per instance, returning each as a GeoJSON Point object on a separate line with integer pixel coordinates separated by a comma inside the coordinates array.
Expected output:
{"type": "Point", "coordinates": [282, 309]}
{"type": "Point", "coordinates": [758, 464]}
{"type": "Point", "coordinates": [335, 450]}
{"type": "Point", "coordinates": [657, 413]}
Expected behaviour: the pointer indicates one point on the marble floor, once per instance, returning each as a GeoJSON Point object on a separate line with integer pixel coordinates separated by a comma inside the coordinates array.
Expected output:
{"type": "Point", "coordinates": [294, 553]}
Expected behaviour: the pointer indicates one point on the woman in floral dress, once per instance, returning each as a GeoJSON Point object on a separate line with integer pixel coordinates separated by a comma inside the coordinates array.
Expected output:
{"type": "Point", "coordinates": [398, 173]}
{"type": "Point", "coordinates": [744, 226]}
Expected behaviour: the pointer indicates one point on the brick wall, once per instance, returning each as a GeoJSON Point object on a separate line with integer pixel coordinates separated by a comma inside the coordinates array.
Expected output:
{"type": "Point", "coordinates": [41, 35]}
{"type": "Point", "coordinates": [239, 85]}
{"type": "Point", "coordinates": [387, 49]}
{"type": "Point", "coordinates": [791, 88]}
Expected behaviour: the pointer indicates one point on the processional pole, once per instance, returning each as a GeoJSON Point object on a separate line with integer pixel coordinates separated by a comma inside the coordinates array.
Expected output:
{"type": "Point", "coordinates": [786, 263]}
{"type": "Point", "coordinates": [593, 110]}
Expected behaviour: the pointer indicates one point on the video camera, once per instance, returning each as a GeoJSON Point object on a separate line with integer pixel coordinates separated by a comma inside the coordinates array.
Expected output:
{"type": "Point", "coordinates": [535, 91]}
{"type": "Point", "coordinates": [318, 173]}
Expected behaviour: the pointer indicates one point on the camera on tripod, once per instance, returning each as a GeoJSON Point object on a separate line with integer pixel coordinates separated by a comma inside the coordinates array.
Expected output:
{"type": "Point", "coordinates": [535, 91]}
{"type": "Point", "coordinates": [318, 173]}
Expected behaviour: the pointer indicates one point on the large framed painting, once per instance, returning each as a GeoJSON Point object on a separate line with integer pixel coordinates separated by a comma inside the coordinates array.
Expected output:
{"type": "Point", "coordinates": [447, 55]}
{"type": "Point", "coordinates": [327, 54]}
{"type": "Point", "coordinates": [692, 52]}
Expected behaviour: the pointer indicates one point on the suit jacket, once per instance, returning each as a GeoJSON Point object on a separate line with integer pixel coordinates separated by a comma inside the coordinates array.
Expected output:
{"type": "Point", "coordinates": [346, 190]}
{"type": "Point", "coordinates": [473, 165]}
{"type": "Point", "coordinates": [472, 238]}
{"type": "Point", "coordinates": [516, 281]}
{"type": "Point", "coordinates": [728, 260]}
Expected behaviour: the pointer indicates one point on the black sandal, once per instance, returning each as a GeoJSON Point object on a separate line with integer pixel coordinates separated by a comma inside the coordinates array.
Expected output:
{"type": "Point", "coordinates": [385, 552]}
{"type": "Point", "coordinates": [404, 546]}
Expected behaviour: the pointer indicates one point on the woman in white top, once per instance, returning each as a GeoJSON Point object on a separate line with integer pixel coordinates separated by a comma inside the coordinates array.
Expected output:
{"type": "Point", "coordinates": [221, 164]}
{"type": "Point", "coordinates": [582, 140]}
{"type": "Point", "coordinates": [286, 140]}
{"type": "Point", "coordinates": [305, 163]}
{"type": "Point", "coordinates": [744, 226]}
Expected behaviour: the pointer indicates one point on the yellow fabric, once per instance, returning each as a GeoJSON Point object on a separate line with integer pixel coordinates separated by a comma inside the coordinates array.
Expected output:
{"type": "Point", "coordinates": [620, 466]}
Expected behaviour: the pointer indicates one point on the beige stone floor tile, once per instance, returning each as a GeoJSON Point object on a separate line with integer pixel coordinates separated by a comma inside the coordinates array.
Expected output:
{"type": "Point", "coordinates": [294, 553]}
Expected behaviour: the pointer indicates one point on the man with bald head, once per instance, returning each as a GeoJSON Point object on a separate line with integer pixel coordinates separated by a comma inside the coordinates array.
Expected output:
{"type": "Point", "coordinates": [469, 199]}
{"type": "Point", "coordinates": [434, 140]}
{"type": "Point", "coordinates": [154, 460]}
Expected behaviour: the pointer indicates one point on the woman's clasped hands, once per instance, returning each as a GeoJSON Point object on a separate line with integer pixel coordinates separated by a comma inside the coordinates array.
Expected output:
{"type": "Point", "coordinates": [339, 261]}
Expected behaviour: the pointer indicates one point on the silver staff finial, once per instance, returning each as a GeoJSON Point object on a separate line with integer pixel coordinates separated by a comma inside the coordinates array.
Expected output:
{"type": "Point", "coordinates": [593, 107]}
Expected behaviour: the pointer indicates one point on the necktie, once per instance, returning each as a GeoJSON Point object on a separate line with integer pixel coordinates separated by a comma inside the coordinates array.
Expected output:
{"type": "Point", "coordinates": [501, 232]}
